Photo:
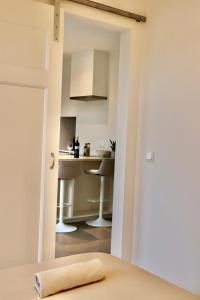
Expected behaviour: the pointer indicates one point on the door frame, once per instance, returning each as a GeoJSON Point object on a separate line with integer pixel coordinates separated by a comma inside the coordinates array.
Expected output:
{"type": "Point", "coordinates": [125, 189]}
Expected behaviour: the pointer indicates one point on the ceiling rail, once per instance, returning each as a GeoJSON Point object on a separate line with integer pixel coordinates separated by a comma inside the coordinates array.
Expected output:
{"type": "Point", "coordinates": [110, 9]}
{"type": "Point", "coordinates": [96, 5]}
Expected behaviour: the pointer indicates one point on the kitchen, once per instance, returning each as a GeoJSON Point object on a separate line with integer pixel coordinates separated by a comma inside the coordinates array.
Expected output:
{"type": "Point", "coordinates": [87, 137]}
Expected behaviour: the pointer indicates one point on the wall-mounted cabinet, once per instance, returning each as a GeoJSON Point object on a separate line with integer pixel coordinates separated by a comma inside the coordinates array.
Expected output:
{"type": "Point", "coordinates": [89, 75]}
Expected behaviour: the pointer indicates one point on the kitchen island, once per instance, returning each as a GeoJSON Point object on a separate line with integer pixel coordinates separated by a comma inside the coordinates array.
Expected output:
{"type": "Point", "coordinates": [87, 189]}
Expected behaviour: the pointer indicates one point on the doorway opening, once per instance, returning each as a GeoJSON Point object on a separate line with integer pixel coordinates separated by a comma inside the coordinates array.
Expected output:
{"type": "Point", "coordinates": [93, 121]}
{"type": "Point", "coordinates": [124, 214]}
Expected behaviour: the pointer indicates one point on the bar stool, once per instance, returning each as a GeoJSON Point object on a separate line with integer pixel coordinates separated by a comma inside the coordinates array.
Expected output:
{"type": "Point", "coordinates": [106, 170]}
{"type": "Point", "coordinates": [67, 173]}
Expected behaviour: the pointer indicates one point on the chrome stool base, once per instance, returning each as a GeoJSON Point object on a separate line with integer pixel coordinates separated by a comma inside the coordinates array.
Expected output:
{"type": "Point", "coordinates": [100, 222]}
{"type": "Point", "coordinates": [64, 228]}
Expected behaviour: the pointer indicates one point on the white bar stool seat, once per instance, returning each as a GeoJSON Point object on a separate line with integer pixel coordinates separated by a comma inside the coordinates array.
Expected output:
{"type": "Point", "coordinates": [67, 173]}
{"type": "Point", "coordinates": [106, 170]}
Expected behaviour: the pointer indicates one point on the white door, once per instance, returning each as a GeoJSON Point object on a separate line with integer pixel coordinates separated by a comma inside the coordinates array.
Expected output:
{"type": "Point", "coordinates": [30, 86]}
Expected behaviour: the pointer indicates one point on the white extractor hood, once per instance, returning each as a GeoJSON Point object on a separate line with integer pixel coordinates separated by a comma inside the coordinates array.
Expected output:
{"type": "Point", "coordinates": [89, 75]}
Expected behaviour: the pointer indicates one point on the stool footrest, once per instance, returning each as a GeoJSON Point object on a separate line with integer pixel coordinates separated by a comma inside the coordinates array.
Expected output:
{"type": "Point", "coordinates": [97, 201]}
{"type": "Point", "coordinates": [65, 205]}
{"type": "Point", "coordinates": [93, 200]}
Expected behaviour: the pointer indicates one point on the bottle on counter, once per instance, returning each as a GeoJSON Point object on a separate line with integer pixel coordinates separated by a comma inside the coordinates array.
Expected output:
{"type": "Point", "coordinates": [74, 141]}
{"type": "Point", "coordinates": [76, 148]}
{"type": "Point", "coordinates": [86, 149]}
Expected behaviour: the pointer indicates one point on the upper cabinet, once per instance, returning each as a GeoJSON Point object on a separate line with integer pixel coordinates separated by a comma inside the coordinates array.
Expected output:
{"type": "Point", "coordinates": [89, 75]}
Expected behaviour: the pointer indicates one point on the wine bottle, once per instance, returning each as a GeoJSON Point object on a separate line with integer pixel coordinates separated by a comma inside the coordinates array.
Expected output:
{"type": "Point", "coordinates": [74, 141]}
{"type": "Point", "coordinates": [76, 148]}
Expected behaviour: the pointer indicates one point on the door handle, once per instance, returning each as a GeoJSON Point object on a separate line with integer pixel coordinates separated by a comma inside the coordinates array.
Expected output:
{"type": "Point", "coordinates": [53, 161]}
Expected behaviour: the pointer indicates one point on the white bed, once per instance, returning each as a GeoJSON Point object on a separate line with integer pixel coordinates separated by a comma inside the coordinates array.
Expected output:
{"type": "Point", "coordinates": [123, 282]}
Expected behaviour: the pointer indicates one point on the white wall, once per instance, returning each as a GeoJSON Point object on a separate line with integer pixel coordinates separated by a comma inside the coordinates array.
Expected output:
{"type": "Point", "coordinates": [136, 6]}
{"type": "Point", "coordinates": [169, 224]}
{"type": "Point", "coordinates": [95, 119]}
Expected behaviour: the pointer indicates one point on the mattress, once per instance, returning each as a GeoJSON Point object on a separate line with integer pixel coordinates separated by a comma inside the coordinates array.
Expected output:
{"type": "Point", "coordinates": [123, 282]}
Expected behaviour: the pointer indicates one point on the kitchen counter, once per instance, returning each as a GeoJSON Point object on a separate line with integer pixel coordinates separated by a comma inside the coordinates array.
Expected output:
{"type": "Point", "coordinates": [66, 157]}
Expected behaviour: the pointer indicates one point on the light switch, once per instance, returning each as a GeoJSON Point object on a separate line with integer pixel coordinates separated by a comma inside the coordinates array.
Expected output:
{"type": "Point", "coordinates": [150, 156]}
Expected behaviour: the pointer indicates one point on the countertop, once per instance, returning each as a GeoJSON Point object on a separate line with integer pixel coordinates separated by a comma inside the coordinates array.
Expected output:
{"type": "Point", "coordinates": [67, 157]}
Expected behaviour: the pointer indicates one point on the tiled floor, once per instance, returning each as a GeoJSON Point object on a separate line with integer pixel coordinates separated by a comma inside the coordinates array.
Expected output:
{"type": "Point", "coordinates": [85, 239]}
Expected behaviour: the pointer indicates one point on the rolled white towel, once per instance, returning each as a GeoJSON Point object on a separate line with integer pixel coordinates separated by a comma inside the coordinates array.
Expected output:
{"type": "Point", "coordinates": [56, 280]}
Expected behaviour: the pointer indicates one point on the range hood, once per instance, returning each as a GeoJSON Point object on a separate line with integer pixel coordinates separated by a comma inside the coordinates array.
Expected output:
{"type": "Point", "coordinates": [89, 75]}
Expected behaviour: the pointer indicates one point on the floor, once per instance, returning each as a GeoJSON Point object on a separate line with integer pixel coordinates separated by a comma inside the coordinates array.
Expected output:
{"type": "Point", "coordinates": [85, 239]}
